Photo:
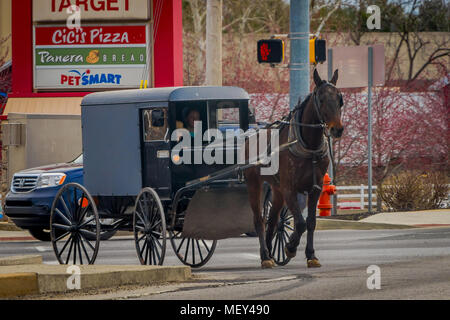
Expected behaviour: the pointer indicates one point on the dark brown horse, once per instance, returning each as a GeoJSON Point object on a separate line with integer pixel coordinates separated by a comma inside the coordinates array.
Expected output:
{"type": "Point", "coordinates": [302, 166]}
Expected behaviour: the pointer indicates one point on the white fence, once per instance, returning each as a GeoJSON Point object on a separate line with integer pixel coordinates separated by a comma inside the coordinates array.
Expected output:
{"type": "Point", "coordinates": [355, 200]}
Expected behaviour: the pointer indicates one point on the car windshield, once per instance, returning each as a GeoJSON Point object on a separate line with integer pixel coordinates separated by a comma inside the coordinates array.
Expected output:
{"type": "Point", "coordinates": [79, 159]}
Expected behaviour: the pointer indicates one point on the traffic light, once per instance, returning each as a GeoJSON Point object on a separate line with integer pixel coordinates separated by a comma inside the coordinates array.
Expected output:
{"type": "Point", "coordinates": [270, 51]}
{"type": "Point", "coordinates": [317, 50]}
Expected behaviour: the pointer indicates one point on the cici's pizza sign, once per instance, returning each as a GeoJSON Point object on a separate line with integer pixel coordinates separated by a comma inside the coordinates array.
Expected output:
{"type": "Point", "coordinates": [90, 35]}
{"type": "Point", "coordinates": [91, 58]}
{"type": "Point", "coordinates": [56, 10]}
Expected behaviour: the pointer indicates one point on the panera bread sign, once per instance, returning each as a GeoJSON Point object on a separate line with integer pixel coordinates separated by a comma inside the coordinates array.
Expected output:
{"type": "Point", "coordinates": [95, 57]}
{"type": "Point", "coordinates": [56, 10]}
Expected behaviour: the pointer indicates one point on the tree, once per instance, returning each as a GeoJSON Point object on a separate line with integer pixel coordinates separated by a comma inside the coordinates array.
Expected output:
{"type": "Point", "coordinates": [239, 18]}
{"type": "Point", "coordinates": [434, 15]}
{"type": "Point", "coordinates": [410, 131]}
{"type": "Point", "coordinates": [416, 44]}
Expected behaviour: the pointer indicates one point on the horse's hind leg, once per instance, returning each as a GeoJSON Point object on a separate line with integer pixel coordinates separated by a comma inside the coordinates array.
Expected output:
{"type": "Point", "coordinates": [299, 225]}
{"type": "Point", "coordinates": [274, 215]}
{"type": "Point", "coordinates": [254, 192]}
{"type": "Point", "coordinates": [312, 260]}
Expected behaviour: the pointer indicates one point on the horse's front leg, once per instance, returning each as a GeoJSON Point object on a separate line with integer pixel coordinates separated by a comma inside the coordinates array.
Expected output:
{"type": "Point", "coordinates": [312, 260]}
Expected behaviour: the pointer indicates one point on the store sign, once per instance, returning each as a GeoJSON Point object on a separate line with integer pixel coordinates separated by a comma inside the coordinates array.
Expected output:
{"type": "Point", "coordinates": [100, 56]}
{"type": "Point", "coordinates": [56, 10]}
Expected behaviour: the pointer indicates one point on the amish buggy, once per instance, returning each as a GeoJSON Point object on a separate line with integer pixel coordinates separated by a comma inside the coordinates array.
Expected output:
{"type": "Point", "coordinates": [147, 171]}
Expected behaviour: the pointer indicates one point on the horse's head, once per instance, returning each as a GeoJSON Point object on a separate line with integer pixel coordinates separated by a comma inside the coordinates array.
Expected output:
{"type": "Point", "coordinates": [329, 101]}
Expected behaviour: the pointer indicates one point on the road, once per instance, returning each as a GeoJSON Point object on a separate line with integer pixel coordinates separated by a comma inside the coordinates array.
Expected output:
{"type": "Point", "coordinates": [413, 264]}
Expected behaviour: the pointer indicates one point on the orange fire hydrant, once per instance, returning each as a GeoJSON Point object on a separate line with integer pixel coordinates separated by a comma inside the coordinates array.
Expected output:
{"type": "Point", "coordinates": [324, 200]}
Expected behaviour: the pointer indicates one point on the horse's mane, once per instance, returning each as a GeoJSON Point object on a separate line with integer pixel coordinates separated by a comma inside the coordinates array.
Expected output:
{"type": "Point", "coordinates": [301, 106]}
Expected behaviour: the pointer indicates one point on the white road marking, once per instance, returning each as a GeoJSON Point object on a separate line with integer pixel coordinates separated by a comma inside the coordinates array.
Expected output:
{"type": "Point", "coordinates": [42, 249]}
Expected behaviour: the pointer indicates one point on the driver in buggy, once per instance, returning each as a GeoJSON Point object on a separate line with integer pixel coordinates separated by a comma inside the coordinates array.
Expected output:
{"type": "Point", "coordinates": [190, 115]}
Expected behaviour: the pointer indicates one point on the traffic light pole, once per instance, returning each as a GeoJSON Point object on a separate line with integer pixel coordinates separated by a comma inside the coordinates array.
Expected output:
{"type": "Point", "coordinates": [299, 60]}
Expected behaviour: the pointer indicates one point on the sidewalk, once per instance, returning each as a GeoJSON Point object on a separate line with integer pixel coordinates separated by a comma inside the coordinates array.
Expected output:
{"type": "Point", "coordinates": [428, 218]}
{"type": "Point", "coordinates": [16, 236]}
{"type": "Point", "coordinates": [10, 232]}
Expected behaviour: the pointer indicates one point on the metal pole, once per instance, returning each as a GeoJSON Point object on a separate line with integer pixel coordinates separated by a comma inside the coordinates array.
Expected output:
{"type": "Point", "coordinates": [214, 42]}
{"type": "Point", "coordinates": [369, 102]}
{"type": "Point", "coordinates": [299, 64]}
{"type": "Point", "coordinates": [331, 167]}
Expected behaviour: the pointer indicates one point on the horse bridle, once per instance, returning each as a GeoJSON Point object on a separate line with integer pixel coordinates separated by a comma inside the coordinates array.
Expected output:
{"type": "Point", "coordinates": [316, 104]}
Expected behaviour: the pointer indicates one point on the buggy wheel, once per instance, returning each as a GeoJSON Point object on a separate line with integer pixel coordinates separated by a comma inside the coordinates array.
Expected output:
{"type": "Point", "coordinates": [73, 221]}
{"type": "Point", "coordinates": [192, 252]}
{"type": "Point", "coordinates": [149, 225]}
{"type": "Point", "coordinates": [282, 231]}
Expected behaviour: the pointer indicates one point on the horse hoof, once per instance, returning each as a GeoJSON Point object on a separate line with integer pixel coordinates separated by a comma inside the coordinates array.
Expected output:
{"type": "Point", "coordinates": [313, 263]}
{"type": "Point", "coordinates": [267, 264]}
{"type": "Point", "coordinates": [289, 254]}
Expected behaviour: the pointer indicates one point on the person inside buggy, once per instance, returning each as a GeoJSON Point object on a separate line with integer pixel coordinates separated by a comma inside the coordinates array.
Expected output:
{"type": "Point", "coordinates": [190, 115]}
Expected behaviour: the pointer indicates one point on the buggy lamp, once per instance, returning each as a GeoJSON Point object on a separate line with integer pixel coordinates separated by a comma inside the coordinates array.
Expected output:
{"type": "Point", "coordinates": [176, 159]}
{"type": "Point", "coordinates": [47, 180]}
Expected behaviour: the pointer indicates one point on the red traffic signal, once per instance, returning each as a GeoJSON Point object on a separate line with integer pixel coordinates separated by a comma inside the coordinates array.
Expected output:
{"type": "Point", "coordinates": [270, 51]}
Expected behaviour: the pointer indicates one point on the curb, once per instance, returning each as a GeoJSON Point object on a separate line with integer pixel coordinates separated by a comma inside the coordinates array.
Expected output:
{"type": "Point", "coordinates": [44, 279]}
{"type": "Point", "coordinates": [20, 260]}
{"type": "Point", "coordinates": [18, 284]}
{"type": "Point", "coordinates": [7, 226]}
{"type": "Point", "coordinates": [331, 224]}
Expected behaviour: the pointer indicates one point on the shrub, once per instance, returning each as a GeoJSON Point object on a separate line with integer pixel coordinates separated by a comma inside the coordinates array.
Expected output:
{"type": "Point", "coordinates": [411, 190]}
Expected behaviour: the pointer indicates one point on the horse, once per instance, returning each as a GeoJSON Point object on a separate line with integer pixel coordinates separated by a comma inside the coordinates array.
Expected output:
{"type": "Point", "coordinates": [302, 166]}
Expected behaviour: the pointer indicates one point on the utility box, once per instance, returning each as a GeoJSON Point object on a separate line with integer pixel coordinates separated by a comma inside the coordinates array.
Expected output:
{"type": "Point", "coordinates": [33, 140]}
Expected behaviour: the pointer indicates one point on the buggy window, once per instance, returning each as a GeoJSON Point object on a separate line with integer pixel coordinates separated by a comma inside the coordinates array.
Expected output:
{"type": "Point", "coordinates": [223, 114]}
{"type": "Point", "coordinates": [154, 124]}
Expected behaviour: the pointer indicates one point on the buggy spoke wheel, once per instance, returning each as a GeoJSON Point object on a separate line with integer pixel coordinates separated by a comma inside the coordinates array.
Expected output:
{"type": "Point", "coordinates": [282, 231]}
{"type": "Point", "coordinates": [281, 237]}
{"type": "Point", "coordinates": [192, 252]}
{"type": "Point", "coordinates": [74, 216]}
{"type": "Point", "coordinates": [149, 225]}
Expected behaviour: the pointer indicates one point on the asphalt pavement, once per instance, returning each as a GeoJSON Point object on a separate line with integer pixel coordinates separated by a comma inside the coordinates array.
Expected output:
{"type": "Point", "coordinates": [234, 270]}
{"type": "Point", "coordinates": [414, 264]}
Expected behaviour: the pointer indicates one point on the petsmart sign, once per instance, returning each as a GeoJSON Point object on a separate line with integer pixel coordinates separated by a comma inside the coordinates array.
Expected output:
{"type": "Point", "coordinates": [94, 57]}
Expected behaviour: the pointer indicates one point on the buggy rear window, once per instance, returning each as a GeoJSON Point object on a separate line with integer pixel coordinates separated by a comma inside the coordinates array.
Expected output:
{"type": "Point", "coordinates": [155, 124]}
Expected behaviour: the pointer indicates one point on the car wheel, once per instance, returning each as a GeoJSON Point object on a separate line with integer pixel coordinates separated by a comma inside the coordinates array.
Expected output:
{"type": "Point", "coordinates": [40, 234]}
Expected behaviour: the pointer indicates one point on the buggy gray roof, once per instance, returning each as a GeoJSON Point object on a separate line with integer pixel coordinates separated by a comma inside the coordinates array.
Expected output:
{"type": "Point", "coordinates": [165, 94]}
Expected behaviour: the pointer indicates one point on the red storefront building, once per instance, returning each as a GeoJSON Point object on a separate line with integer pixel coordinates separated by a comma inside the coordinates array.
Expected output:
{"type": "Point", "coordinates": [120, 43]}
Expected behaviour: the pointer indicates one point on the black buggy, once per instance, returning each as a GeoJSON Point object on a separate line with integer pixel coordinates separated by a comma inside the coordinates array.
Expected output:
{"type": "Point", "coordinates": [133, 182]}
